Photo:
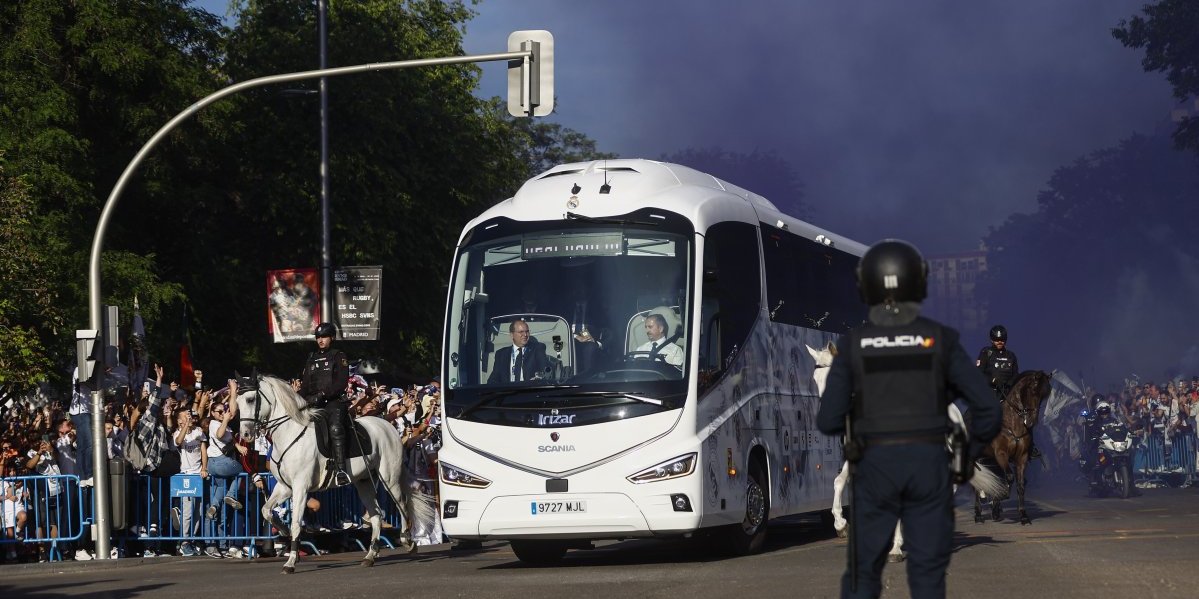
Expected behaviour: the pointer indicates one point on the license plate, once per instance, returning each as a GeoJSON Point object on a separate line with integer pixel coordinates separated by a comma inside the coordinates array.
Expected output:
{"type": "Point", "coordinates": [558, 507]}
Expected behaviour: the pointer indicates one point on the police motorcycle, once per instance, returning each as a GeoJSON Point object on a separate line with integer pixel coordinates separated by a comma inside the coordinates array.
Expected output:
{"type": "Point", "coordinates": [1111, 470]}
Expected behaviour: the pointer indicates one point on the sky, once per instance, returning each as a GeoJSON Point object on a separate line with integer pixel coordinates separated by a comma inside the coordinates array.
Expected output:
{"type": "Point", "coordinates": [930, 121]}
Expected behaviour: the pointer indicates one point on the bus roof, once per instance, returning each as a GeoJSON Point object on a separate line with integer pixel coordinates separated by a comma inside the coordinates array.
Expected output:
{"type": "Point", "coordinates": [611, 187]}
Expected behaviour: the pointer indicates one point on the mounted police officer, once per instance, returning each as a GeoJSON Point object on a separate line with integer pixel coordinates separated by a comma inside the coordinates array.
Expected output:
{"type": "Point", "coordinates": [323, 384]}
{"type": "Point", "coordinates": [888, 391]}
{"type": "Point", "coordinates": [1000, 367]}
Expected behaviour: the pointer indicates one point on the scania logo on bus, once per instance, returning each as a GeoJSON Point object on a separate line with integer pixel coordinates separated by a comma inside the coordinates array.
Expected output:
{"type": "Point", "coordinates": [552, 419]}
{"type": "Point", "coordinates": [898, 341]}
{"type": "Point", "coordinates": [554, 448]}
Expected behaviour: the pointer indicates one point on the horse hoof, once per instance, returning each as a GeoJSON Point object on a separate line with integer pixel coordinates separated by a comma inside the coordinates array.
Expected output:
{"type": "Point", "coordinates": [1025, 521]}
{"type": "Point", "coordinates": [893, 558]}
{"type": "Point", "coordinates": [366, 563]}
{"type": "Point", "coordinates": [979, 519]}
{"type": "Point", "coordinates": [842, 533]}
{"type": "Point", "coordinates": [289, 570]}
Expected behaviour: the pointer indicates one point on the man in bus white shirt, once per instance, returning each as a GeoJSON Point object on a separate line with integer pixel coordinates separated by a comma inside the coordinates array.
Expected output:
{"type": "Point", "coordinates": [658, 345]}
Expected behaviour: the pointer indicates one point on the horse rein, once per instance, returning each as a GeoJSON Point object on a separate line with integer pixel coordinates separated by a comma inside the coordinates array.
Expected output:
{"type": "Point", "coordinates": [1023, 412]}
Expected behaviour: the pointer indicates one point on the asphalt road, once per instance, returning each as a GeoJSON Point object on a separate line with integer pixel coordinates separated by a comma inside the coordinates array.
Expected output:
{"type": "Point", "coordinates": [1143, 547]}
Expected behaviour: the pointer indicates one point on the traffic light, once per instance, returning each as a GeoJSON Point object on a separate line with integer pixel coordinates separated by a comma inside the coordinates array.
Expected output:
{"type": "Point", "coordinates": [87, 353]}
{"type": "Point", "coordinates": [531, 81]}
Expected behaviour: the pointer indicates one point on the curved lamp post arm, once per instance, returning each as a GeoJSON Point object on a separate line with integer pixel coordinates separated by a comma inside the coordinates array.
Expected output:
{"type": "Point", "coordinates": [94, 315]}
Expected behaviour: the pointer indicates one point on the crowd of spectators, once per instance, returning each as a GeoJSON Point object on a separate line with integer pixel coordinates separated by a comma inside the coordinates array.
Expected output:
{"type": "Point", "coordinates": [160, 429]}
{"type": "Point", "coordinates": [1161, 415]}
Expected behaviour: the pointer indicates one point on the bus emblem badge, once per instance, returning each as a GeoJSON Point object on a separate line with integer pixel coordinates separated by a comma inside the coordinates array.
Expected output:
{"type": "Point", "coordinates": [554, 436]}
{"type": "Point", "coordinates": [572, 203]}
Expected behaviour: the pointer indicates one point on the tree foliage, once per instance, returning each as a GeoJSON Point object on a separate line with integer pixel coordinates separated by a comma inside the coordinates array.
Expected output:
{"type": "Point", "coordinates": [1169, 34]}
{"type": "Point", "coordinates": [30, 314]}
{"type": "Point", "coordinates": [1098, 279]}
{"type": "Point", "coordinates": [235, 191]}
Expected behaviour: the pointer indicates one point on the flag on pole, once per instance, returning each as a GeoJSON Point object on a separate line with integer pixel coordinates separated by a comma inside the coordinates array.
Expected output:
{"type": "Point", "coordinates": [139, 364]}
{"type": "Point", "coordinates": [187, 374]}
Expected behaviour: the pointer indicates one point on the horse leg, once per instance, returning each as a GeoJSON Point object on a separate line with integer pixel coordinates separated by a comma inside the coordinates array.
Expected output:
{"type": "Point", "coordinates": [997, 502]}
{"type": "Point", "coordinates": [366, 492]}
{"type": "Point", "coordinates": [1021, 463]}
{"type": "Point", "coordinates": [978, 507]}
{"type": "Point", "coordinates": [299, 502]}
{"type": "Point", "coordinates": [896, 554]}
{"type": "Point", "coordinates": [278, 494]}
{"type": "Point", "coordinates": [839, 523]}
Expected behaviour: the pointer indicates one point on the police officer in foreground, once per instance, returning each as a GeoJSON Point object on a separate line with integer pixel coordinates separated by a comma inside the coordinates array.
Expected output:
{"type": "Point", "coordinates": [323, 384]}
{"type": "Point", "coordinates": [888, 391]}
{"type": "Point", "coordinates": [1000, 367]}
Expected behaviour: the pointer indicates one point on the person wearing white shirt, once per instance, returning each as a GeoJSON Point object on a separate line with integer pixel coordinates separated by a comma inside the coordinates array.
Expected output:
{"type": "Point", "coordinates": [80, 412]}
{"type": "Point", "coordinates": [193, 459]}
{"type": "Point", "coordinates": [658, 345]}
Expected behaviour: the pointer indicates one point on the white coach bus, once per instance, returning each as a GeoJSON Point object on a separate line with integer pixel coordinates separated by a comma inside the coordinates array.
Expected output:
{"type": "Point", "coordinates": [596, 435]}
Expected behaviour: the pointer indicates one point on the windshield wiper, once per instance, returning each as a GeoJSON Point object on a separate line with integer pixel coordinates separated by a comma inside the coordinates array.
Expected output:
{"type": "Point", "coordinates": [489, 395]}
{"type": "Point", "coordinates": [620, 394]}
{"type": "Point", "coordinates": [609, 221]}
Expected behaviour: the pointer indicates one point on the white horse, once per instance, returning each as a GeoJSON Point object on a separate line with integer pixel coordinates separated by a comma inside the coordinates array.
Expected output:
{"type": "Point", "coordinates": [984, 480]}
{"type": "Point", "coordinates": [270, 404]}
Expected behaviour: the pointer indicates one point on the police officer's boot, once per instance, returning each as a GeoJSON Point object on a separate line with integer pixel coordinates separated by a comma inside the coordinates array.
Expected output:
{"type": "Point", "coordinates": [337, 438]}
{"type": "Point", "coordinates": [1033, 452]}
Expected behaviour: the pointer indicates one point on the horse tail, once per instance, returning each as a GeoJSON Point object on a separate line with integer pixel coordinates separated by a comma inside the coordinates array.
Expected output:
{"type": "Point", "coordinates": [988, 483]}
{"type": "Point", "coordinates": [421, 506]}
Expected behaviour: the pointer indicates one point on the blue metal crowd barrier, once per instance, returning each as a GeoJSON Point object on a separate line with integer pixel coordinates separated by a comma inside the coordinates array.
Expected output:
{"type": "Point", "coordinates": [175, 509]}
{"type": "Point", "coordinates": [1155, 458]}
{"type": "Point", "coordinates": [53, 508]}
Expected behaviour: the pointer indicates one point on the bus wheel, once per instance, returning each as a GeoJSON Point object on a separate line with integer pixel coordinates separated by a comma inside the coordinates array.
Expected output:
{"type": "Point", "coordinates": [538, 552]}
{"type": "Point", "coordinates": [750, 535]}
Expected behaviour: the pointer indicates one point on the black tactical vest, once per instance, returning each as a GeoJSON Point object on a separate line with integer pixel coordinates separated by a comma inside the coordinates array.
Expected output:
{"type": "Point", "coordinates": [998, 365]}
{"type": "Point", "coordinates": [899, 379]}
{"type": "Point", "coordinates": [318, 375]}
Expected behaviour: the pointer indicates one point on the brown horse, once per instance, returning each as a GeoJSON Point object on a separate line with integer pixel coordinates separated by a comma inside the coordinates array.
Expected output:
{"type": "Point", "coordinates": [1021, 409]}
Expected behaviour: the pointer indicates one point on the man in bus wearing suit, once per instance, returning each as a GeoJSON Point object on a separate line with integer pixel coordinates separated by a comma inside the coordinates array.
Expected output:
{"type": "Point", "coordinates": [524, 360]}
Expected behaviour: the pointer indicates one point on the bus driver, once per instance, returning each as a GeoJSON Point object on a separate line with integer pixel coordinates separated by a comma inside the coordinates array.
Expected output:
{"type": "Point", "coordinates": [658, 345]}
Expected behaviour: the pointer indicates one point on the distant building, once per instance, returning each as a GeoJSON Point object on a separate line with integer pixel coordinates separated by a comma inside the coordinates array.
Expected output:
{"type": "Point", "coordinates": [951, 284]}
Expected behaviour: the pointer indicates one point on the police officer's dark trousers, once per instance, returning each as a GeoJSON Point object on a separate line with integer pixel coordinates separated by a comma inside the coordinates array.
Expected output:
{"type": "Point", "coordinates": [336, 412]}
{"type": "Point", "coordinates": [912, 482]}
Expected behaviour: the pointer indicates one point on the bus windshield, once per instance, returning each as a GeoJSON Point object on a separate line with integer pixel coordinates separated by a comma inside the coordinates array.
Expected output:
{"type": "Point", "coordinates": [569, 313]}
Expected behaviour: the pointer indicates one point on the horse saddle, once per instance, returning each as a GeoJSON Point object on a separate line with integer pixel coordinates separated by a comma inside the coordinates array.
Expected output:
{"type": "Point", "coordinates": [356, 448]}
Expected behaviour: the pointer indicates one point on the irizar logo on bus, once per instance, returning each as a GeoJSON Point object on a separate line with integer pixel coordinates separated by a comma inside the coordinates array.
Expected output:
{"type": "Point", "coordinates": [898, 341]}
{"type": "Point", "coordinates": [544, 420]}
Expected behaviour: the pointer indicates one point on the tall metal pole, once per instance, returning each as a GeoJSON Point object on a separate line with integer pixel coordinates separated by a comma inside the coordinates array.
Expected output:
{"type": "Point", "coordinates": [326, 253]}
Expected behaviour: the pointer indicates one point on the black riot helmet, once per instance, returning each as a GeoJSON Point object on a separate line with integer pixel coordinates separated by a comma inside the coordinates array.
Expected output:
{"type": "Point", "coordinates": [999, 333]}
{"type": "Point", "coordinates": [892, 271]}
{"type": "Point", "coordinates": [325, 329]}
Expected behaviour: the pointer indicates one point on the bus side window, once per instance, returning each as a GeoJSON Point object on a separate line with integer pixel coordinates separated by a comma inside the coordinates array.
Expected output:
{"type": "Point", "coordinates": [731, 296]}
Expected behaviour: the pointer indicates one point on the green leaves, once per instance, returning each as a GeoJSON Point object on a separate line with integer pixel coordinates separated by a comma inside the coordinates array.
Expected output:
{"type": "Point", "coordinates": [1169, 34]}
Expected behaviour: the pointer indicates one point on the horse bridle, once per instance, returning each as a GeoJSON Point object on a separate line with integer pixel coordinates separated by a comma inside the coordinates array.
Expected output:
{"type": "Point", "coordinates": [261, 421]}
{"type": "Point", "coordinates": [1025, 414]}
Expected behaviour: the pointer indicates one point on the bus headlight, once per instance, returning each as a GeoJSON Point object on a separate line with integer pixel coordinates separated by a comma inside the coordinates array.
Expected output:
{"type": "Point", "coordinates": [674, 468]}
{"type": "Point", "coordinates": [453, 475]}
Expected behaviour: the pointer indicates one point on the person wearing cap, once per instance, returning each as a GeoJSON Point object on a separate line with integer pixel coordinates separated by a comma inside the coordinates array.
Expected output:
{"type": "Point", "coordinates": [1000, 367]}
{"type": "Point", "coordinates": [888, 391]}
{"type": "Point", "coordinates": [323, 384]}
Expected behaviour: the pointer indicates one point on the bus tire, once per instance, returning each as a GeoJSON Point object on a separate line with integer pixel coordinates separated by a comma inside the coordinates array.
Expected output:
{"type": "Point", "coordinates": [749, 536]}
{"type": "Point", "coordinates": [539, 552]}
